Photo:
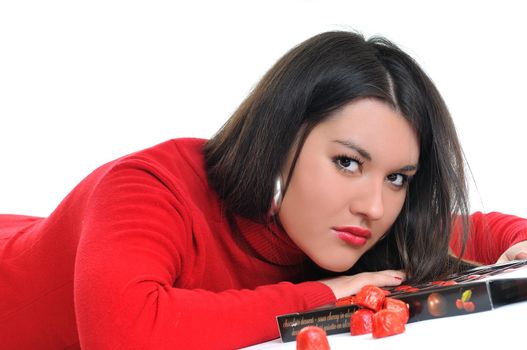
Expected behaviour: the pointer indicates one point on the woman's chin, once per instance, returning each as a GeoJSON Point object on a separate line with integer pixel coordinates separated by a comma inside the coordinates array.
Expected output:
{"type": "Point", "coordinates": [335, 266]}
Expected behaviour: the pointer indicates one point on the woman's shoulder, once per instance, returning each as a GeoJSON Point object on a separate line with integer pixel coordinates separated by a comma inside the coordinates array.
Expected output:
{"type": "Point", "coordinates": [170, 153]}
{"type": "Point", "coordinates": [172, 157]}
{"type": "Point", "coordinates": [170, 171]}
{"type": "Point", "coordinates": [175, 165]}
{"type": "Point", "coordinates": [178, 159]}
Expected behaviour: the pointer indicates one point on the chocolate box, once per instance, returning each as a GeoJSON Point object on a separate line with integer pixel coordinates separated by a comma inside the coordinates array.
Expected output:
{"type": "Point", "coordinates": [479, 289]}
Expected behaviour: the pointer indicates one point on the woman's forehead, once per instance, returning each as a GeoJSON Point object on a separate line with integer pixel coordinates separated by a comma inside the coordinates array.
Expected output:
{"type": "Point", "coordinates": [373, 127]}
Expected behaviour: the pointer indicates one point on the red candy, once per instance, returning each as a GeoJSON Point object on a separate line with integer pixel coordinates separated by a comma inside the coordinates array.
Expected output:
{"type": "Point", "coordinates": [312, 338]}
{"type": "Point", "coordinates": [361, 322]}
{"type": "Point", "coordinates": [398, 306]}
{"type": "Point", "coordinates": [371, 297]}
{"type": "Point", "coordinates": [382, 316]}
{"type": "Point", "coordinates": [345, 301]}
{"type": "Point", "coordinates": [403, 287]}
{"type": "Point", "coordinates": [449, 283]}
{"type": "Point", "coordinates": [386, 323]}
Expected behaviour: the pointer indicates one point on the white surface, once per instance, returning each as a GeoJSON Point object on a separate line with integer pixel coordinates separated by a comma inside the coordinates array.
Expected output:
{"type": "Point", "coordinates": [502, 328]}
{"type": "Point", "coordinates": [84, 82]}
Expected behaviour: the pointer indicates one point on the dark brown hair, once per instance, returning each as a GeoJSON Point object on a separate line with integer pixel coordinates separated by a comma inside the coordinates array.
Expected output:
{"type": "Point", "coordinates": [305, 87]}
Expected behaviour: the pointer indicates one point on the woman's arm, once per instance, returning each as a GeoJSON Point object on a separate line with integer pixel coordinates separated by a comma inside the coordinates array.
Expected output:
{"type": "Point", "coordinates": [492, 237]}
{"type": "Point", "coordinates": [136, 246]}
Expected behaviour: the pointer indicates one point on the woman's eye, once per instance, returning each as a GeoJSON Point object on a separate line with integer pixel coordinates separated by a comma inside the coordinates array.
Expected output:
{"type": "Point", "coordinates": [347, 164]}
{"type": "Point", "coordinates": [398, 180]}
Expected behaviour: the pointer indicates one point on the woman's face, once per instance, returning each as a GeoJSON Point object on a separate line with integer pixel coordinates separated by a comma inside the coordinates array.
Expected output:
{"type": "Point", "coordinates": [349, 183]}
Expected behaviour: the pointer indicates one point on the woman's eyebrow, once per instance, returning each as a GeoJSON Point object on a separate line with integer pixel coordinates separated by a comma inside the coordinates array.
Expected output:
{"type": "Point", "coordinates": [408, 168]}
{"type": "Point", "coordinates": [355, 147]}
{"type": "Point", "coordinates": [367, 155]}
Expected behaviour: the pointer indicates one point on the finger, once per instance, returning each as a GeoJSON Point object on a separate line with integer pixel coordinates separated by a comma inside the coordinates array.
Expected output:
{"type": "Point", "coordinates": [382, 278]}
{"type": "Point", "coordinates": [503, 258]}
{"type": "Point", "coordinates": [521, 256]}
{"type": "Point", "coordinates": [395, 274]}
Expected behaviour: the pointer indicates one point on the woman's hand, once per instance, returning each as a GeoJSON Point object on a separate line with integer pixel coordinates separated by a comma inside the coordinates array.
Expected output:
{"type": "Point", "coordinates": [344, 286]}
{"type": "Point", "coordinates": [517, 251]}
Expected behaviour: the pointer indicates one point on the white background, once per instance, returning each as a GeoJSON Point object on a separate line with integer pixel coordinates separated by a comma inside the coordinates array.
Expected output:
{"type": "Point", "coordinates": [82, 83]}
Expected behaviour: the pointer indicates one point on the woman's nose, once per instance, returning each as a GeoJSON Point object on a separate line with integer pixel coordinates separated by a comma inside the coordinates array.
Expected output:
{"type": "Point", "coordinates": [368, 200]}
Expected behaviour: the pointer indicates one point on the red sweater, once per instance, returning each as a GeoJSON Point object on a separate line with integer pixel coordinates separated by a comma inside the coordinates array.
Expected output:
{"type": "Point", "coordinates": [139, 256]}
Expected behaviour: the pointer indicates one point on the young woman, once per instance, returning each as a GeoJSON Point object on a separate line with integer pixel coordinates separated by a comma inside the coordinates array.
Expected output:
{"type": "Point", "coordinates": [342, 168]}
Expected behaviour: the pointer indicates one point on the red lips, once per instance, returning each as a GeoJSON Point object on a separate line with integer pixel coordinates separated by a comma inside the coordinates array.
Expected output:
{"type": "Point", "coordinates": [353, 235]}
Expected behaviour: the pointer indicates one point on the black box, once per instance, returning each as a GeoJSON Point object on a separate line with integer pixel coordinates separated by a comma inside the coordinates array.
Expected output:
{"type": "Point", "coordinates": [474, 290]}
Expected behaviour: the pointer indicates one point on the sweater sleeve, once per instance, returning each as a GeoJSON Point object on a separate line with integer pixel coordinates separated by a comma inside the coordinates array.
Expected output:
{"type": "Point", "coordinates": [490, 235]}
{"type": "Point", "coordinates": [128, 261]}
